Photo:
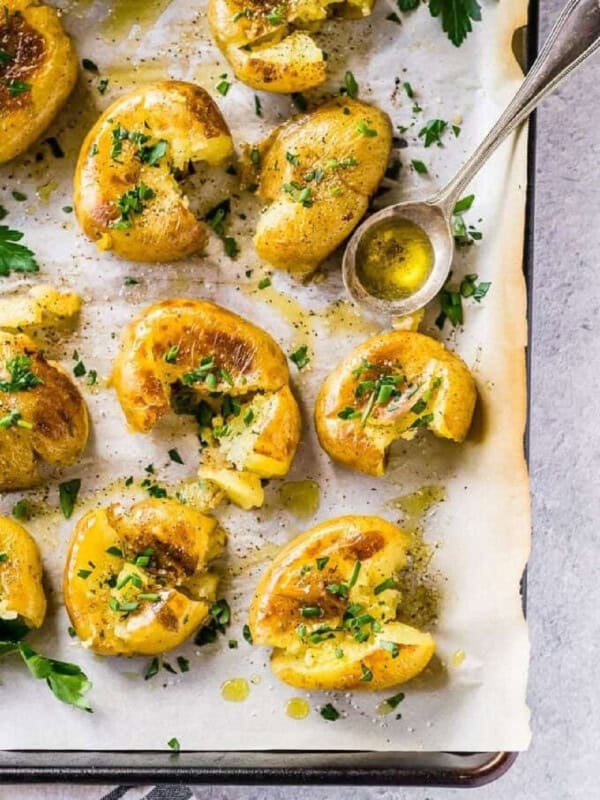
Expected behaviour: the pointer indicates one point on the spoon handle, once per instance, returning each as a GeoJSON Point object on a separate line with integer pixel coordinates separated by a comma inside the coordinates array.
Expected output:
{"type": "Point", "coordinates": [574, 37]}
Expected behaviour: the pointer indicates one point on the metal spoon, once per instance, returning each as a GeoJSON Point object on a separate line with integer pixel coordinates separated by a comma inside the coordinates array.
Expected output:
{"type": "Point", "coordinates": [574, 37]}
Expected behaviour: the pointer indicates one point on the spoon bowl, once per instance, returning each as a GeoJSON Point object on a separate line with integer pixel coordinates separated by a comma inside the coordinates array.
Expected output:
{"type": "Point", "coordinates": [574, 37]}
{"type": "Point", "coordinates": [433, 220]}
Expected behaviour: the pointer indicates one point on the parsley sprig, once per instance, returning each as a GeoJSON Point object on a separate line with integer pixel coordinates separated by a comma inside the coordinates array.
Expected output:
{"type": "Point", "coordinates": [15, 257]}
{"type": "Point", "coordinates": [21, 377]}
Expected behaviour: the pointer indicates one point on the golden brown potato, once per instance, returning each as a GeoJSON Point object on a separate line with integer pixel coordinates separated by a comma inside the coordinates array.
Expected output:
{"type": "Point", "coordinates": [137, 582]}
{"type": "Point", "coordinates": [328, 605]}
{"type": "Point", "coordinates": [38, 70]}
{"type": "Point", "coordinates": [21, 593]}
{"type": "Point", "coordinates": [268, 43]}
{"type": "Point", "coordinates": [126, 194]}
{"type": "Point", "coordinates": [388, 388]}
{"type": "Point", "coordinates": [317, 173]}
{"type": "Point", "coordinates": [42, 415]}
{"type": "Point", "coordinates": [207, 361]}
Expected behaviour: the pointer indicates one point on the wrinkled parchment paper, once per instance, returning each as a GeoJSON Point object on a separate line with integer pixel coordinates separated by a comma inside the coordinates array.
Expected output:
{"type": "Point", "coordinates": [480, 534]}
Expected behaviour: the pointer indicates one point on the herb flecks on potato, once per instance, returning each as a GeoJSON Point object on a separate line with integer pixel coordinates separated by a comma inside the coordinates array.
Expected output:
{"type": "Point", "coordinates": [43, 417]}
{"type": "Point", "coordinates": [328, 605]}
{"type": "Point", "coordinates": [201, 359]}
{"type": "Point", "coordinates": [317, 173]}
{"type": "Point", "coordinates": [38, 69]}
{"type": "Point", "coordinates": [268, 44]}
{"type": "Point", "coordinates": [138, 582]}
{"type": "Point", "coordinates": [127, 196]}
{"type": "Point", "coordinates": [389, 388]}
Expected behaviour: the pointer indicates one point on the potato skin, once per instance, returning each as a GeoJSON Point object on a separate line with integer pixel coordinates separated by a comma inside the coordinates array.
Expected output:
{"type": "Point", "coordinates": [418, 357]}
{"type": "Point", "coordinates": [327, 142]}
{"type": "Point", "coordinates": [185, 117]}
{"type": "Point", "coordinates": [268, 44]}
{"type": "Point", "coordinates": [54, 408]}
{"type": "Point", "coordinates": [182, 542]}
{"type": "Point", "coordinates": [21, 590]}
{"type": "Point", "coordinates": [142, 378]}
{"type": "Point", "coordinates": [45, 58]}
{"type": "Point", "coordinates": [325, 556]}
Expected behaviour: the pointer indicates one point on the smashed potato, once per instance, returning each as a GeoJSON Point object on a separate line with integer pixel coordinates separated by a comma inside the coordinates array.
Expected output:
{"type": "Point", "coordinates": [231, 375]}
{"type": "Point", "coordinates": [317, 172]}
{"type": "Point", "coordinates": [38, 70]}
{"type": "Point", "coordinates": [22, 595]}
{"type": "Point", "coordinates": [268, 44]}
{"type": "Point", "coordinates": [137, 582]}
{"type": "Point", "coordinates": [388, 388]}
{"type": "Point", "coordinates": [328, 605]}
{"type": "Point", "coordinates": [43, 418]}
{"type": "Point", "coordinates": [127, 196]}
{"type": "Point", "coordinates": [43, 307]}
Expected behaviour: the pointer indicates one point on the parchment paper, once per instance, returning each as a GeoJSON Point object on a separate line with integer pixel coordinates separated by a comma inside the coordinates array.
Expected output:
{"type": "Point", "coordinates": [481, 532]}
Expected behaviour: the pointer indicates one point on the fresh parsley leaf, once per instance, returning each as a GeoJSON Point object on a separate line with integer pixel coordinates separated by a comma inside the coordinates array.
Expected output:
{"type": "Point", "coordinates": [132, 202]}
{"type": "Point", "coordinates": [407, 5]}
{"type": "Point", "coordinates": [223, 86]}
{"type": "Point", "coordinates": [363, 128]}
{"type": "Point", "coordinates": [68, 492]}
{"type": "Point", "coordinates": [15, 257]}
{"type": "Point", "coordinates": [152, 669]}
{"type": "Point", "coordinates": [456, 17]}
{"type": "Point", "coordinates": [66, 681]}
{"type": "Point", "coordinates": [264, 283]}
{"type": "Point", "coordinates": [464, 204]}
{"type": "Point", "coordinates": [257, 106]}
{"type": "Point", "coordinates": [174, 745]}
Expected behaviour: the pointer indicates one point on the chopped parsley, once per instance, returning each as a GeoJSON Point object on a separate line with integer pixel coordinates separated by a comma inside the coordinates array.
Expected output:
{"type": "Point", "coordinates": [247, 634]}
{"type": "Point", "coordinates": [174, 456]}
{"type": "Point", "coordinates": [66, 681]}
{"type": "Point", "coordinates": [224, 85]}
{"type": "Point", "coordinates": [264, 283]}
{"type": "Point", "coordinates": [220, 618]}
{"type": "Point", "coordinates": [257, 106]}
{"type": "Point", "coordinates": [171, 354]}
{"type": "Point", "coordinates": [15, 87]}
{"type": "Point", "coordinates": [13, 419]}
{"type": "Point", "coordinates": [350, 86]}
{"type": "Point", "coordinates": [67, 494]}
{"type": "Point", "coordinates": [395, 700]}
{"type": "Point", "coordinates": [21, 377]}
{"type": "Point", "coordinates": [456, 17]}
{"type": "Point", "coordinates": [329, 713]}
{"type": "Point", "coordinates": [174, 745]}
{"type": "Point", "coordinates": [363, 127]}
{"type": "Point", "coordinates": [131, 203]}
{"type": "Point", "coordinates": [276, 16]}
{"type": "Point", "coordinates": [22, 510]}
{"type": "Point", "coordinates": [432, 132]}
{"type": "Point", "coordinates": [419, 167]}
{"type": "Point", "coordinates": [300, 356]}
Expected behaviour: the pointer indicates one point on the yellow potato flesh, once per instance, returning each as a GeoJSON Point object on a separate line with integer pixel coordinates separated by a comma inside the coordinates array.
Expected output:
{"type": "Point", "coordinates": [437, 392]}
{"type": "Point", "coordinates": [21, 591]}
{"type": "Point", "coordinates": [260, 440]}
{"type": "Point", "coordinates": [317, 173]}
{"type": "Point", "coordinates": [100, 579]}
{"type": "Point", "coordinates": [184, 117]}
{"type": "Point", "coordinates": [268, 43]}
{"type": "Point", "coordinates": [354, 634]}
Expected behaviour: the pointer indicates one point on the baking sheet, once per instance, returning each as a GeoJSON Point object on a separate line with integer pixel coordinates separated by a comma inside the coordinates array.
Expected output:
{"type": "Point", "coordinates": [479, 535]}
